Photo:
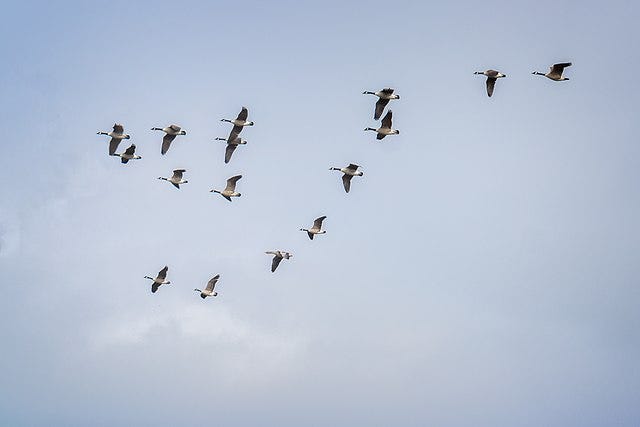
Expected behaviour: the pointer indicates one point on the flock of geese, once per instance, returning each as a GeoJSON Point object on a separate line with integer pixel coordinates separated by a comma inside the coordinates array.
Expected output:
{"type": "Point", "coordinates": [234, 140]}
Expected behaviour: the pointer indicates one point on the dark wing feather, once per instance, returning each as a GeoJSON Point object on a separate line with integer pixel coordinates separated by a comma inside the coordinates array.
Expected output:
{"type": "Point", "coordinates": [113, 146]}
{"type": "Point", "coordinates": [212, 283]}
{"type": "Point", "coordinates": [310, 235]}
{"type": "Point", "coordinates": [131, 150]}
{"type": "Point", "coordinates": [234, 132]}
{"type": "Point", "coordinates": [353, 167]}
{"type": "Point", "coordinates": [318, 222]}
{"type": "Point", "coordinates": [380, 136]}
{"type": "Point", "coordinates": [154, 287]}
{"type": "Point", "coordinates": [118, 128]}
{"type": "Point", "coordinates": [275, 263]}
{"type": "Point", "coordinates": [491, 82]}
{"type": "Point", "coordinates": [229, 152]}
{"type": "Point", "coordinates": [166, 143]}
{"type": "Point", "coordinates": [244, 113]}
{"type": "Point", "coordinates": [162, 274]}
{"type": "Point", "coordinates": [346, 181]}
{"type": "Point", "coordinates": [382, 102]}
{"type": "Point", "coordinates": [386, 120]}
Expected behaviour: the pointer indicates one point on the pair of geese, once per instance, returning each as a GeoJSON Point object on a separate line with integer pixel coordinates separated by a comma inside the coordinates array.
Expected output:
{"type": "Point", "coordinates": [171, 131]}
{"type": "Point", "coordinates": [555, 74]}
{"type": "Point", "coordinates": [209, 290]}
{"type": "Point", "coordinates": [177, 179]}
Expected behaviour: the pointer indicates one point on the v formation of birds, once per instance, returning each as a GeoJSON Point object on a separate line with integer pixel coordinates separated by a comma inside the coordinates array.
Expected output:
{"type": "Point", "coordinates": [234, 140]}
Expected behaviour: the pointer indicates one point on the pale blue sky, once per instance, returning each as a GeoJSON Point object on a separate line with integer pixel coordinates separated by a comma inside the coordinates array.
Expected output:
{"type": "Point", "coordinates": [484, 271]}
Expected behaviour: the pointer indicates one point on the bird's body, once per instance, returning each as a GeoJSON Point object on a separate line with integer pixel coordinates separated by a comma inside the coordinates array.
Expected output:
{"type": "Point", "coordinates": [129, 154]}
{"type": "Point", "coordinates": [555, 72]}
{"type": "Point", "coordinates": [316, 228]}
{"type": "Point", "coordinates": [171, 132]}
{"type": "Point", "coordinates": [230, 189]}
{"type": "Point", "coordinates": [209, 290]}
{"type": "Point", "coordinates": [492, 77]}
{"type": "Point", "coordinates": [238, 123]}
{"type": "Point", "coordinates": [277, 257]}
{"type": "Point", "coordinates": [159, 280]}
{"type": "Point", "coordinates": [176, 178]}
{"type": "Point", "coordinates": [384, 96]}
{"type": "Point", "coordinates": [385, 129]}
{"type": "Point", "coordinates": [117, 135]}
{"type": "Point", "coordinates": [232, 144]}
{"type": "Point", "coordinates": [349, 172]}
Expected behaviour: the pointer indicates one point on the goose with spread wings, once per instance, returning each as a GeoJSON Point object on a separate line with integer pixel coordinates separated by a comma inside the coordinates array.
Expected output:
{"type": "Point", "coordinates": [384, 96]}
{"type": "Point", "coordinates": [176, 178]}
{"type": "Point", "coordinates": [349, 172]}
{"type": "Point", "coordinates": [161, 279]}
{"type": "Point", "coordinates": [232, 144]}
{"type": "Point", "coordinates": [555, 72]}
{"type": "Point", "coordinates": [171, 132]}
{"type": "Point", "coordinates": [386, 127]}
{"type": "Point", "coordinates": [129, 154]}
{"type": "Point", "coordinates": [492, 76]}
{"type": "Point", "coordinates": [209, 290]}
{"type": "Point", "coordinates": [230, 189]}
{"type": "Point", "coordinates": [117, 135]}
{"type": "Point", "coordinates": [316, 228]}
{"type": "Point", "coordinates": [277, 257]}
{"type": "Point", "coordinates": [238, 123]}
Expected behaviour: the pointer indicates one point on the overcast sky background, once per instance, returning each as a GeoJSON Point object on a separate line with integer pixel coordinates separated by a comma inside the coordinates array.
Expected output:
{"type": "Point", "coordinates": [484, 271]}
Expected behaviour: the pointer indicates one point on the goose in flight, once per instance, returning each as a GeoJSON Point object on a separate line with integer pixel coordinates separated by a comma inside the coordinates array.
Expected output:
{"type": "Point", "coordinates": [555, 71]}
{"type": "Point", "coordinates": [117, 135]}
{"type": "Point", "coordinates": [385, 95]}
{"type": "Point", "coordinates": [277, 257]}
{"type": "Point", "coordinates": [208, 291]}
{"type": "Point", "coordinates": [230, 189]}
{"type": "Point", "coordinates": [492, 76]}
{"type": "Point", "coordinates": [176, 179]}
{"type": "Point", "coordinates": [238, 123]}
{"type": "Point", "coordinates": [232, 144]}
{"type": "Point", "coordinates": [316, 229]}
{"type": "Point", "coordinates": [171, 132]}
{"type": "Point", "coordinates": [129, 154]}
{"type": "Point", "coordinates": [159, 280]}
{"type": "Point", "coordinates": [385, 129]}
{"type": "Point", "coordinates": [349, 172]}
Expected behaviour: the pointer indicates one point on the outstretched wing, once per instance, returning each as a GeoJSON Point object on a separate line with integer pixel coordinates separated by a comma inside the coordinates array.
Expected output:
{"type": "Point", "coordinates": [244, 113]}
{"type": "Point", "coordinates": [175, 128]}
{"type": "Point", "coordinates": [231, 183]}
{"type": "Point", "coordinates": [346, 181]}
{"type": "Point", "coordinates": [113, 145]}
{"type": "Point", "coordinates": [162, 274]}
{"type": "Point", "coordinates": [229, 152]}
{"type": "Point", "coordinates": [118, 128]}
{"type": "Point", "coordinates": [387, 91]}
{"type": "Point", "coordinates": [154, 287]}
{"type": "Point", "coordinates": [491, 82]}
{"type": "Point", "coordinates": [177, 174]}
{"type": "Point", "coordinates": [275, 263]}
{"type": "Point", "coordinates": [386, 120]}
{"type": "Point", "coordinates": [559, 68]}
{"type": "Point", "coordinates": [131, 150]}
{"type": "Point", "coordinates": [382, 102]}
{"type": "Point", "coordinates": [212, 283]}
{"type": "Point", "coordinates": [317, 224]}
{"type": "Point", "coordinates": [353, 167]}
{"type": "Point", "coordinates": [234, 133]}
{"type": "Point", "coordinates": [166, 143]}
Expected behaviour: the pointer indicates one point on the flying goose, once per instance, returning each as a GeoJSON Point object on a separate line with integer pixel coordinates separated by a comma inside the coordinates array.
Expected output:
{"type": "Point", "coordinates": [208, 291]}
{"type": "Point", "coordinates": [230, 189]}
{"type": "Point", "coordinates": [117, 135]}
{"type": "Point", "coordinates": [385, 128]}
{"type": "Point", "coordinates": [129, 154]}
{"type": "Point", "coordinates": [232, 144]}
{"type": "Point", "coordinates": [555, 72]}
{"type": "Point", "coordinates": [238, 123]}
{"type": "Point", "coordinates": [159, 280]}
{"type": "Point", "coordinates": [277, 257]}
{"type": "Point", "coordinates": [176, 179]}
{"type": "Point", "coordinates": [385, 96]}
{"type": "Point", "coordinates": [492, 76]}
{"type": "Point", "coordinates": [317, 225]}
{"type": "Point", "coordinates": [349, 172]}
{"type": "Point", "coordinates": [171, 132]}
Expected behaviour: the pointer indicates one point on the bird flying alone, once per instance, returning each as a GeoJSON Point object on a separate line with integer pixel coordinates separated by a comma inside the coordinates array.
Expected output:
{"type": "Point", "coordinates": [349, 172]}
{"type": "Point", "coordinates": [277, 257]}
{"type": "Point", "coordinates": [238, 123]}
{"type": "Point", "coordinates": [316, 229]}
{"type": "Point", "coordinates": [232, 144]}
{"type": "Point", "coordinates": [230, 189]}
{"type": "Point", "coordinates": [385, 129]}
{"type": "Point", "coordinates": [176, 178]}
{"type": "Point", "coordinates": [385, 95]}
{"type": "Point", "coordinates": [159, 280]}
{"type": "Point", "coordinates": [129, 154]}
{"type": "Point", "coordinates": [555, 72]}
{"type": "Point", "coordinates": [209, 290]}
{"type": "Point", "coordinates": [117, 135]}
{"type": "Point", "coordinates": [171, 132]}
{"type": "Point", "coordinates": [492, 76]}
